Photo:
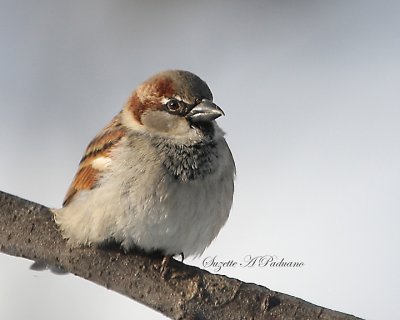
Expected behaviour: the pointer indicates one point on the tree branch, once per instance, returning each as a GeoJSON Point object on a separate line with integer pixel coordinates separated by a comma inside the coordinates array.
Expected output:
{"type": "Point", "coordinates": [27, 230]}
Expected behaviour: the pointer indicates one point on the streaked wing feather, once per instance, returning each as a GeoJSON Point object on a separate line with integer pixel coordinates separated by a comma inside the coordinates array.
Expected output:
{"type": "Point", "coordinates": [100, 147]}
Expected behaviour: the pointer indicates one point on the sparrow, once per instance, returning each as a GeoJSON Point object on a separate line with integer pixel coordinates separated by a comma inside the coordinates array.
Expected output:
{"type": "Point", "coordinates": [159, 176]}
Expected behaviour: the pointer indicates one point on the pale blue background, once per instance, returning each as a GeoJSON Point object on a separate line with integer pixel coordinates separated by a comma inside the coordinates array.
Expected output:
{"type": "Point", "coordinates": [312, 101]}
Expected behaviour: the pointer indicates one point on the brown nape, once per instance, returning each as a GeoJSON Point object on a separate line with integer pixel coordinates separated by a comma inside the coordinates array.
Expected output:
{"type": "Point", "coordinates": [136, 107]}
{"type": "Point", "coordinates": [153, 90]}
{"type": "Point", "coordinates": [162, 87]}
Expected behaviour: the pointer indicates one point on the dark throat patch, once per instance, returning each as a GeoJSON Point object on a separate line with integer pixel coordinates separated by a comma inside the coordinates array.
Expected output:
{"type": "Point", "coordinates": [188, 162]}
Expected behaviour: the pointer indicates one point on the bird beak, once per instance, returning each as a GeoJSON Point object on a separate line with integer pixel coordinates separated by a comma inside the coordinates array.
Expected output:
{"type": "Point", "coordinates": [205, 111]}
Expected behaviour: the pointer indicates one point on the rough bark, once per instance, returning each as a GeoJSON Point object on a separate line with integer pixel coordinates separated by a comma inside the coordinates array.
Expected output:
{"type": "Point", "coordinates": [27, 230]}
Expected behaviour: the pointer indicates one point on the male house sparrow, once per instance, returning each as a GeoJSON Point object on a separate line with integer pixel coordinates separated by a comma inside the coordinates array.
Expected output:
{"type": "Point", "coordinates": [159, 176]}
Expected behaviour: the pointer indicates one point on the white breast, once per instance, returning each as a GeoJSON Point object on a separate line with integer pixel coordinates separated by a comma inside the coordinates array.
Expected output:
{"type": "Point", "coordinates": [140, 204]}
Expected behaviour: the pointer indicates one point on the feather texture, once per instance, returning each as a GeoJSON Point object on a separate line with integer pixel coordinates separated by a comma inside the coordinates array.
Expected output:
{"type": "Point", "coordinates": [154, 178]}
{"type": "Point", "coordinates": [96, 159]}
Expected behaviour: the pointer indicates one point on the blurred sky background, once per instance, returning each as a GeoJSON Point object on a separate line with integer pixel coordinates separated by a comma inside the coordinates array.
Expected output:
{"type": "Point", "coordinates": [312, 101]}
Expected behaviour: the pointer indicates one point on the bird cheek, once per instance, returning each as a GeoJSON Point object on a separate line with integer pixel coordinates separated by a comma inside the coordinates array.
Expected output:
{"type": "Point", "coordinates": [159, 121]}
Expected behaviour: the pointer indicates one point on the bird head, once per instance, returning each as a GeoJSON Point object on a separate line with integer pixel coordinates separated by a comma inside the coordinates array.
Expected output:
{"type": "Point", "coordinates": [174, 103]}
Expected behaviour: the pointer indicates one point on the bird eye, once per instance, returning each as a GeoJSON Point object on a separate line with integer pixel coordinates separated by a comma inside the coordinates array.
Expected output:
{"type": "Point", "coordinates": [173, 105]}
